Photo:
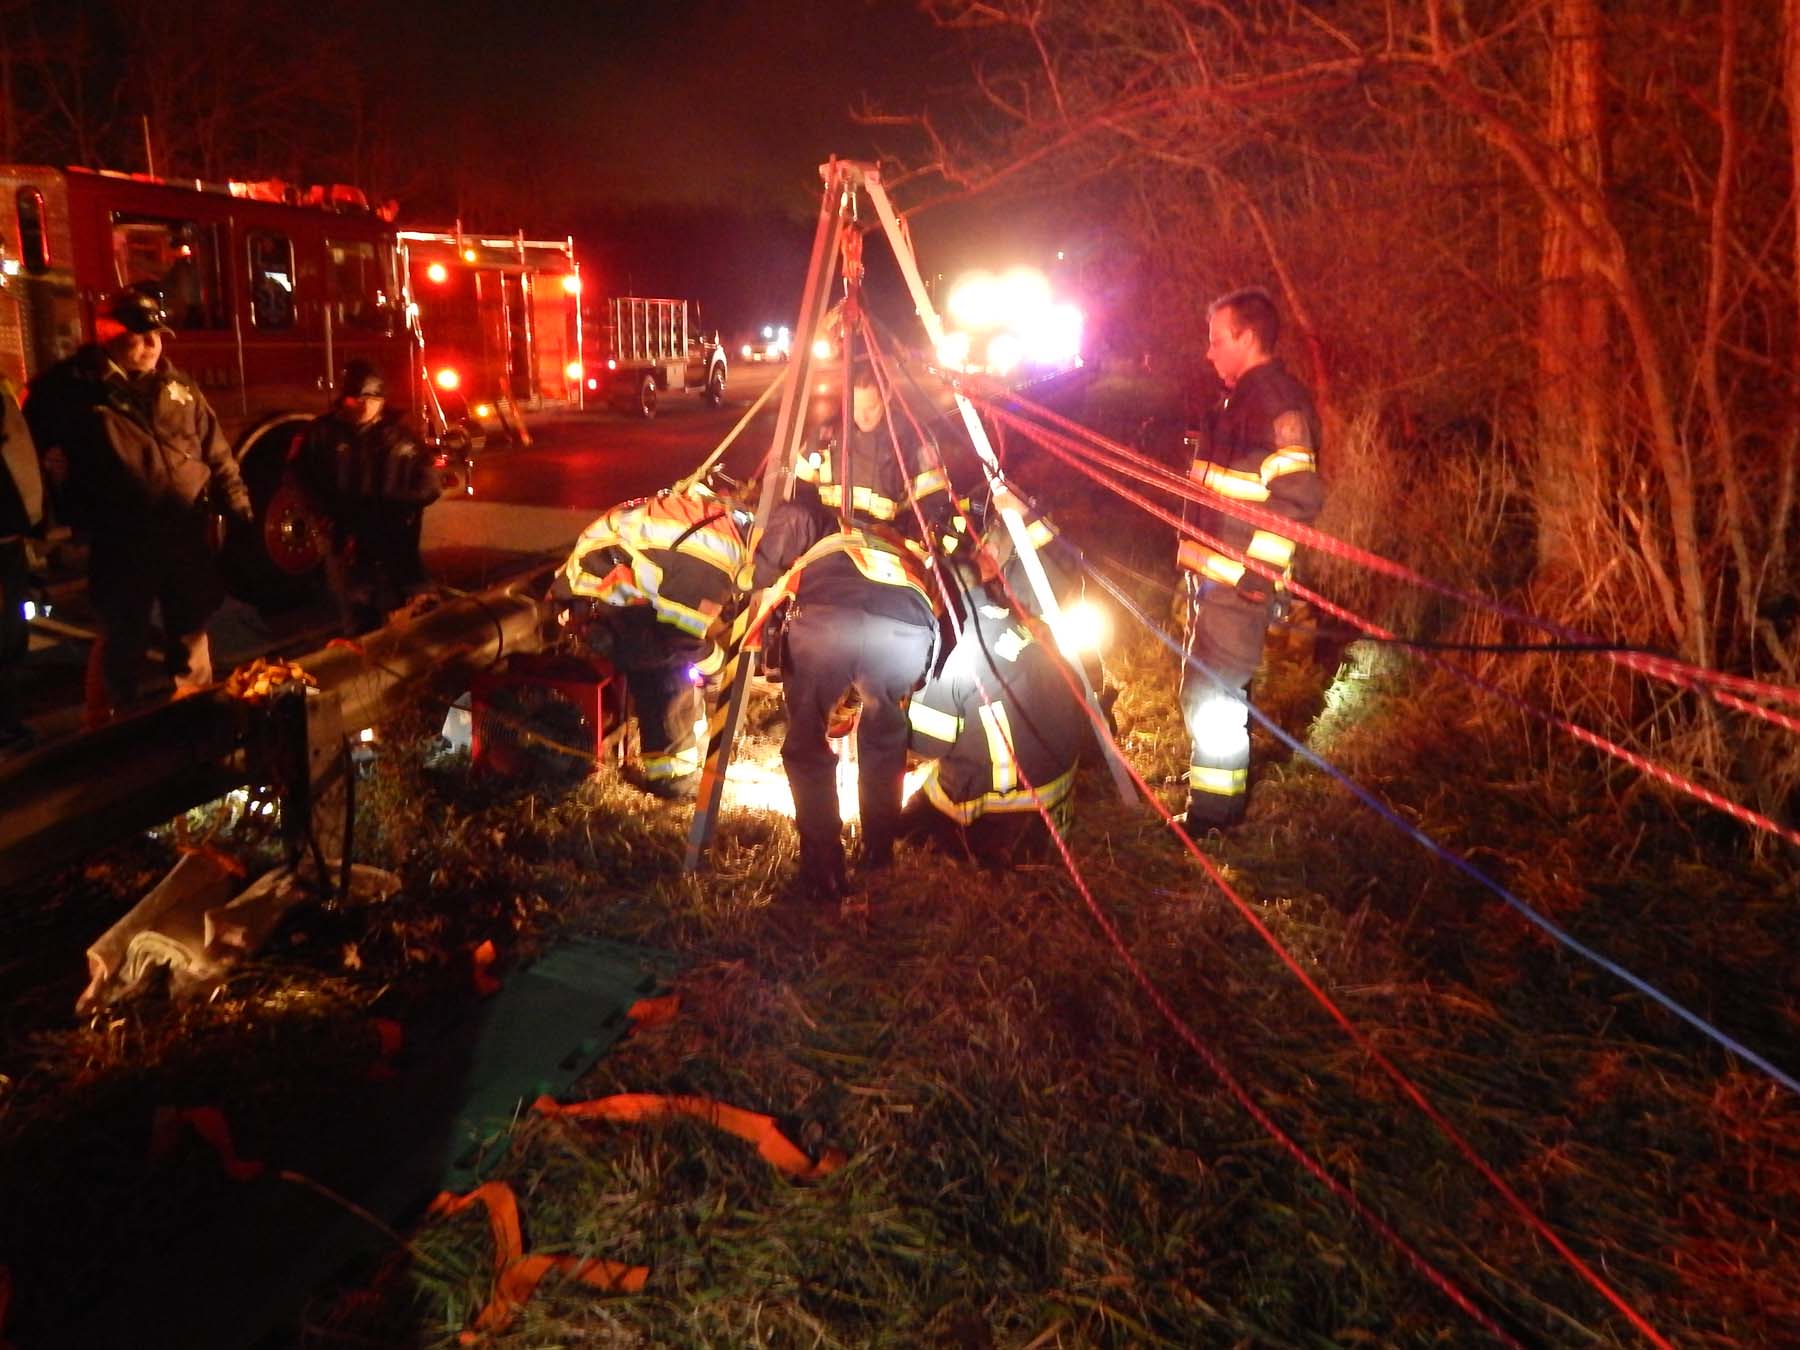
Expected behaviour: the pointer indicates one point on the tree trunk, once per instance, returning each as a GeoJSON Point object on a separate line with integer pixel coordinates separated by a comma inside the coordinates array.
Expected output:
{"type": "Point", "coordinates": [1574, 375]}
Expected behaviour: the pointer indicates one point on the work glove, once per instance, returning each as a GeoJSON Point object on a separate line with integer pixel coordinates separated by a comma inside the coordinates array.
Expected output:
{"type": "Point", "coordinates": [1254, 589]}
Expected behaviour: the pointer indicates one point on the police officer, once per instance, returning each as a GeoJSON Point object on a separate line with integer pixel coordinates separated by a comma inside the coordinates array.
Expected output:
{"type": "Point", "coordinates": [1262, 449]}
{"type": "Point", "coordinates": [21, 515]}
{"type": "Point", "coordinates": [866, 473]}
{"type": "Point", "coordinates": [367, 473]}
{"type": "Point", "coordinates": [654, 585]}
{"type": "Point", "coordinates": [138, 452]}
{"type": "Point", "coordinates": [1004, 730]}
{"type": "Point", "coordinates": [861, 615]}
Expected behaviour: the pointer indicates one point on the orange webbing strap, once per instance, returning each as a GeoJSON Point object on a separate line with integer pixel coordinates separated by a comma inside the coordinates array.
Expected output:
{"type": "Point", "coordinates": [654, 1012]}
{"type": "Point", "coordinates": [751, 1126]}
{"type": "Point", "coordinates": [516, 1275]}
{"type": "Point", "coordinates": [209, 1123]}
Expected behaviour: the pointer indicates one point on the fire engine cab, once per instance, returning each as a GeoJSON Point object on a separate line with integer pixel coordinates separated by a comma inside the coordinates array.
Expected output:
{"type": "Point", "coordinates": [270, 292]}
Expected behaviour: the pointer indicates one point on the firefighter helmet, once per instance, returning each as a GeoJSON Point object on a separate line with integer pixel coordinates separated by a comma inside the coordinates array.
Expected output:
{"type": "Point", "coordinates": [138, 309]}
{"type": "Point", "coordinates": [360, 379]}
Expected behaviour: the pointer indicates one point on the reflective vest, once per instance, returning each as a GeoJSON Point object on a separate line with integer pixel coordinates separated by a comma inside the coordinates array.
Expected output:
{"type": "Point", "coordinates": [877, 555]}
{"type": "Point", "coordinates": [1264, 450]}
{"type": "Point", "coordinates": [1001, 722]}
{"type": "Point", "coordinates": [682, 554]}
{"type": "Point", "coordinates": [877, 485]}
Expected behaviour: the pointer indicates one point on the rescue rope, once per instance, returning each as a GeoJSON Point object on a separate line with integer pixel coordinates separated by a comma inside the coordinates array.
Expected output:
{"type": "Point", "coordinates": [1239, 1092]}
{"type": "Point", "coordinates": [1057, 446]}
{"type": "Point", "coordinates": [1683, 674]}
{"type": "Point", "coordinates": [1543, 923]}
{"type": "Point", "coordinates": [732, 435]}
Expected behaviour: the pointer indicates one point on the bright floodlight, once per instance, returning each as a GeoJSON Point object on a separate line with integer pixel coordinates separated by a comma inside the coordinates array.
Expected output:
{"type": "Point", "coordinates": [447, 379]}
{"type": "Point", "coordinates": [571, 284]}
{"type": "Point", "coordinates": [975, 302]}
{"type": "Point", "coordinates": [1004, 353]}
{"type": "Point", "coordinates": [1024, 296]}
{"type": "Point", "coordinates": [822, 349]}
{"type": "Point", "coordinates": [768, 332]}
{"type": "Point", "coordinates": [953, 351]}
{"type": "Point", "coordinates": [1084, 627]}
{"type": "Point", "coordinates": [1055, 340]}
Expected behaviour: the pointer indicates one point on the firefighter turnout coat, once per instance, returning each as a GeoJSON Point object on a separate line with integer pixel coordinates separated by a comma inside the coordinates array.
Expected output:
{"type": "Point", "coordinates": [1262, 450]}
{"type": "Point", "coordinates": [880, 487]}
{"type": "Point", "coordinates": [662, 578]}
{"type": "Point", "coordinates": [1000, 722]}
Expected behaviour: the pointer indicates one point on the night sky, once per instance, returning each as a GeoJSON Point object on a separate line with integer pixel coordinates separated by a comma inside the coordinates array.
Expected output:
{"type": "Point", "coordinates": [680, 143]}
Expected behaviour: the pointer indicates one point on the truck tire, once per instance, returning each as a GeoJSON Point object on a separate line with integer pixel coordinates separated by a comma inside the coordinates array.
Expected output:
{"type": "Point", "coordinates": [646, 397]}
{"type": "Point", "coordinates": [278, 562]}
{"type": "Point", "coordinates": [715, 385]}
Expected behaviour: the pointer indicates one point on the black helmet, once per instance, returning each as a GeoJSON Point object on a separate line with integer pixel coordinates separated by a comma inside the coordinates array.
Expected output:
{"type": "Point", "coordinates": [138, 309]}
{"type": "Point", "coordinates": [360, 379]}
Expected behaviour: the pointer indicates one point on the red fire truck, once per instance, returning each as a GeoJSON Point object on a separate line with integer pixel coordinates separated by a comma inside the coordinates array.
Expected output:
{"type": "Point", "coordinates": [500, 318]}
{"type": "Point", "coordinates": [270, 291]}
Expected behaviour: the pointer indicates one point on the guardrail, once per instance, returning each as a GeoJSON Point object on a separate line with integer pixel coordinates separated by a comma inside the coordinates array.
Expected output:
{"type": "Point", "coordinates": [73, 797]}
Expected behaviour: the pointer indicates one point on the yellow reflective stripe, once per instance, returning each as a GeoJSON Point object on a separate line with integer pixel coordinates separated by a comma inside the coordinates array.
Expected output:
{"type": "Point", "coordinates": [1220, 568]}
{"type": "Point", "coordinates": [676, 764]}
{"type": "Point", "coordinates": [1010, 643]}
{"type": "Point", "coordinates": [1219, 782]}
{"type": "Point", "coordinates": [1048, 797]}
{"type": "Point", "coordinates": [866, 500]}
{"type": "Point", "coordinates": [690, 621]}
{"type": "Point", "coordinates": [1237, 484]}
{"type": "Point", "coordinates": [1288, 459]}
{"type": "Point", "coordinates": [1192, 554]}
{"type": "Point", "coordinates": [933, 722]}
{"type": "Point", "coordinates": [930, 481]}
{"type": "Point", "coordinates": [999, 742]}
{"type": "Point", "coordinates": [1268, 547]}
{"type": "Point", "coordinates": [1040, 532]}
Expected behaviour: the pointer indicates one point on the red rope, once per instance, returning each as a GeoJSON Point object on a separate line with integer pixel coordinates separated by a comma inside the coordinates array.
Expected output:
{"type": "Point", "coordinates": [1681, 783]}
{"type": "Point", "coordinates": [1681, 673]}
{"type": "Point", "coordinates": [1241, 1094]}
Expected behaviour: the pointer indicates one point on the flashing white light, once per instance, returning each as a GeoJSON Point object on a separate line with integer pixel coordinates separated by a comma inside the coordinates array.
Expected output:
{"type": "Point", "coordinates": [611, 364]}
{"type": "Point", "coordinates": [593, 383]}
{"type": "Point", "coordinates": [366, 735]}
{"type": "Point", "coordinates": [1060, 255]}
{"type": "Point", "coordinates": [1084, 627]}
{"type": "Point", "coordinates": [1055, 340]}
{"type": "Point", "coordinates": [1004, 353]}
{"type": "Point", "coordinates": [573, 370]}
{"type": "Point", "coordinates": [1220, 727]}
{"type": "Point", "coordinates": [975, 301]}
{"type": "Point", "coordinates": [437, 273]}
{"type": "Point", "coordinates": [822, 351]}
{"type": "Point", "coordinates": [1024, 296]}
{"type": "Point", "coordinates": [447, 379]}
{"type": "Point", "coordinates": [469, 255]}
{"type": "Point", "coordinates": [745, 352]}
{"type": "Point", "coordinates": [784, 335]}
{"type": "Point", "coordinates": [695, 677]}
{"type": "Point", "coordinates": [10, 266]}
{"type": "Point", "coordinates": [953, 351]}
{"type": "Point", "coordinates": [768, 332]}
{"type": "Point", "coordinates": [571, 284]}
{"type": "Point", "coordinates": [31, 610]}
{"type": "Point", "coordinates": [484, 410]}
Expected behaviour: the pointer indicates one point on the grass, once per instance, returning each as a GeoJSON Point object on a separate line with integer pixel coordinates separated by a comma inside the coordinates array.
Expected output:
{"type": "Point", "coordinates": [1035, 1158]}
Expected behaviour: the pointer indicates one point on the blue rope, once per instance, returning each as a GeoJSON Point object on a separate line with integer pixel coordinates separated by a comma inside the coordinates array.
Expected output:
{"type": "Point", "coordinates": [1461, 864]}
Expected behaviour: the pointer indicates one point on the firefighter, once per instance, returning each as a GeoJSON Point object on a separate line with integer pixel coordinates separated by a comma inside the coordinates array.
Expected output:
{"type": "Point", "coordinates": [21, 515]}
{"type": "Point", "coordinates": [859, 616]}
{"type": "Point", "coordinates": [1262, 449]}
{"type": "Point", "coordinates": [366, 472]}
{"type": "Point", "coordinates": [654, 585]}
{"type": "Point", "coordinates": [137, 460]}
{"type": "Point", "coordinates": [1004, 730]}
{"type": "Point", "coordinates": [878, 482]}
